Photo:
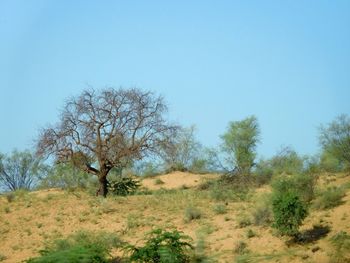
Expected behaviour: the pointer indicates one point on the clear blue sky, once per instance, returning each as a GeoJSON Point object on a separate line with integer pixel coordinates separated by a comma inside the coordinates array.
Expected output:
{"type": "Point", "coordinates": [287, 62]}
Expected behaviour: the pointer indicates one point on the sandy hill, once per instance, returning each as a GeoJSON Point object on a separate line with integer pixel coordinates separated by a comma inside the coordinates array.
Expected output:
{"type": "Point", "coordinates": [31, 219]}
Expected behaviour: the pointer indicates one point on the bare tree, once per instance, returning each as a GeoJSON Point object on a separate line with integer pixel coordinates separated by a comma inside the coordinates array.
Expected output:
{"type": "Point", "coordinates": [20, 170]}
{"type": "Point", "coordinates": [100, 130]}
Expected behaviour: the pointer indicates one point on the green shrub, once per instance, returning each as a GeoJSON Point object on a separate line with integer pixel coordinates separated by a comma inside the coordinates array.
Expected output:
{"type": "Point", "coordinates": [289, 213]}
{"type": "Point", "coordinates": [341, 243]}
{"type": "Point", "coordinates": [301, 184]}
{"type": "Point", "coordinates": [329, 198]}
{"type": "Point", "coordinates": [220, 209]}
{"type": "Point", "coordinates": [79, 247]}
{"type": "Point", "coordinates": [243, 220]}
{"type": "Point", "coordinates": [263, 172]}
{"type": "Point", "coordinates": [2, 257]}
{"type": "Point", "coordinates": [192, 213]}
{"type": "Point", "coordinates": [123, 186]}
{"type": "Point", "coordinates": [287, 161]}
{"type": "Point", "coordinates": [162, 247]}
{"type": "Point", "coordinates": [331, 164]}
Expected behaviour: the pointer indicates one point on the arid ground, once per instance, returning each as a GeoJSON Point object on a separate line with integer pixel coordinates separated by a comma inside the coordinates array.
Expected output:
{"type": "Point", "coordinates": [31, 219]}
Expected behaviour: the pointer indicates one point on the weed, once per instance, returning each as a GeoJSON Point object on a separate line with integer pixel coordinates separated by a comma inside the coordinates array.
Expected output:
{"type": "Point", "coordinates": [2, 257]}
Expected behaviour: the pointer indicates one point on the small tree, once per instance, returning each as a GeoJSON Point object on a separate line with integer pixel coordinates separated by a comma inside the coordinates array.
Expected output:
{"type": "Point", "coordinates": [183, 151]}
{"type": "Point", "coordinates": [239, 143]}
{"type": "Point", "coordinates": [20, 170]}
{"type": "Point", "coordinates": [101, 130]}
{"type": "Point", "coordinates": [335, 138]}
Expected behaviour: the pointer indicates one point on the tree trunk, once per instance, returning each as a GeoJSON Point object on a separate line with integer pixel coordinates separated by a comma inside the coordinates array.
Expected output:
{"type": "Point", "coordinates": [102, 190]}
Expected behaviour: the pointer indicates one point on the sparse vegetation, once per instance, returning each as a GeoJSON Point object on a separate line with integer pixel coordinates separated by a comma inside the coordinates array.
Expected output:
{"type": "Point", "coordinates": [80, 247]}
{"type": "Point", "coordinates": [329, 198]}
{"type": "Point", "coordinates": [341, 243]}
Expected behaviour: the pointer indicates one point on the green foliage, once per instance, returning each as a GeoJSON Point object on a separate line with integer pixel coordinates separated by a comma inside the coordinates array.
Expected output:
{"type": "Point", "coordinates": [65, 176]}
{"type": "Point", "coordinates": [192, 213]}
{"type": "Point", "coordinates": [330, 163]}
{"type": "Point", "coordinates": [123, 186]}
{"type": "Point", "coordinates": [79, 247]}
{"type": "Point", "coordinates": [335, 138]}
{"type": "Point", "coordinates": [239, 144]}
{"type": "Point", "coordinates": [302, 184]}
{"type": "Point", "coordinates": [287, 161]}
{"type": "Point", "coordinates": [220, 209]}
{"type": "Point", "coordinates": [162, 247]}
{"type": "Point", "coordinates": [263, 172]}
{"type": "Point", "coordinates": [341, 243]}
{"type": "Point", "coordinates": [289, 213]}
{"type": "Point", "coordinates": [329, 198]}
{"type": "Point", "coordinates": [221, 191]}
{"type": "Point", "coordinates": [20, 170]}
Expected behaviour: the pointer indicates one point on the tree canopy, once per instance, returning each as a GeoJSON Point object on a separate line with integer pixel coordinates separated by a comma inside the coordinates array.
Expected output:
{"type": "Point", "coordinates": [103, 129]}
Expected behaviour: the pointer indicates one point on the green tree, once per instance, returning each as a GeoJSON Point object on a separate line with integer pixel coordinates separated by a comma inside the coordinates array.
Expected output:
{"type": "Point", "coordinates": [20, 170]}
{"type": "Point", "coordinates": [335, 138]}
{"type": "Point", "coordinates": [239, 144]}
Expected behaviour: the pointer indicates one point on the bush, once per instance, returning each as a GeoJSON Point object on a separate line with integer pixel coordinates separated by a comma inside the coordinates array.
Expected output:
{"type": "Point", "coordinates": [329, 198]}
{"type": "Point", "coordinates": [220, 209]}
{"type": "Point", "coordinates": [80, 247]}
{"type": "Point", "coordinates": [261, 213]}
{"type": "Point", "coordinates": [331, 164]}
{"type": "Point", "coordinates": [192, 213]}
{"type": "Point", "coordinates": [263, 172]}
{"type": "Point", "coordinates": [302, 184]}
{"type": "Point", "coordinates": [287, 161]}
{"type": "Point", "coordinates": [162, 247]}
{"type": "Point", "coordinates": [123, 186]}
{"type": "Point", "coordinates": [289, 212]}
{"type": "Point", "coordinates": [65, 176]}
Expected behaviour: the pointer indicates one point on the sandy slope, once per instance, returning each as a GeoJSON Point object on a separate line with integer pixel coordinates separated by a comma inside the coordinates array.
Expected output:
{"type": "Point", "coordinates": [26, 223]}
